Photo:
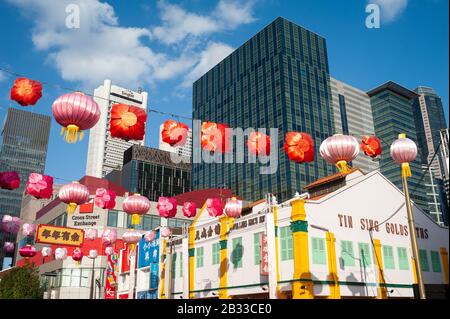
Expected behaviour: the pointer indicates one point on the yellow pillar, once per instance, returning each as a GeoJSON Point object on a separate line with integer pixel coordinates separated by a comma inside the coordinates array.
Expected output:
{"type": "Point", "coordinates": [225, 225]}
{"type": "Point", "coordinates": [277, 254]}
{"type": "Point", "coordinates": [191, 260]}
{"type": "Point", "coordinates": [163, 271]}
{"type": "Point", "coordinates": [302, 286]}
{"type": "Point", "coordinates": [444, 258]}
{"type": "Point", "coordinates": [379, 264]}
{"type": "Point", "coordinates": [335, 289]}
{"type": "Point", "coordinates": [416, 281]}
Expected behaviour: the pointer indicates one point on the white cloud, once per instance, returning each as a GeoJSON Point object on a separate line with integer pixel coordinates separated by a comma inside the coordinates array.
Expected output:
{"type": "Point", "coordinates": [390, 9]}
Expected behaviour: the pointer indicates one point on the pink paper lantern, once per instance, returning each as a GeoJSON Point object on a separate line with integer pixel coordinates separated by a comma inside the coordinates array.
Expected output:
{"type": "Point", "coordinates": [109, 251]}
{"type": "Point", "coordinates": [404, 151]}
{"type": "Point", "coordinates": [73, 194]}
{"type": "Point", "coordinates": [340, 150]}
{"type": "Point", "coordinates": [91, 234]}
{"type": "Point", "coordinates": [105, 198]}
{"type": "Point", "coordinates": [40, 186]}
{"type": "Point", "coordinates": [189, 209]}
{"type": "Point", "coordinates": [9, 180]}
{"type": "Point", "coordinates": [214, 207]}
{"type": "Point", "coordinates": [28, 229]}
{"type": "Point", "coordinates": [27, 251]}
{"type": "Point", "coordinates": [136, 205]}
{"type": "Point", "coordinates": [10, 224]}
{"type": "Point", "coordinates": [167, 207]}
{"type": "Point", "coordinates": [93, 253]}
{"type": "Point", "coordinates": [60, 253]}
{"type": "Point", "coordinates": [46, 251]}
{"type": "Point", "coordinates": [149, 236]}
{"type": "Point", "coordinates": [165, 232]}
{"type": "Point", "coordinates": [131, 237]}
{"type": "Point", "coordinates": [233, 207]}
{"type": "Point", "coordinates": [8, 247]}
{"type": "Point", "coordinates": [109, 236]}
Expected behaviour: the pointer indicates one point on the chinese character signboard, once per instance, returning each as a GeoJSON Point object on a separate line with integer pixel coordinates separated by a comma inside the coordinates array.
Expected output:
{"type": "Point", "coordinates": [264, 256]}
{"type": "Point", "coordinates": [154, 267]}
{"type": "Point", "coordinates": [111, 277]}
{"type": "Point", "coordinates": [49, 234]}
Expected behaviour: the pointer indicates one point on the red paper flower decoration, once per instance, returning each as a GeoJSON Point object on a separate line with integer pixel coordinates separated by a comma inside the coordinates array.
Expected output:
{"type": "Point", "coordinates": [174, 133]}
{"type": "Point", "coordinates": [40, 186]}
{"type": "Point", "coordinates": [9, 180]}
{"type": "Point", "coordinates": [259, 143]}
{"type": "Point", "coordinates": [26, 91]}
{"type": "Point", "coordinates": [167, 207]}
{"type": "Point", "coordinates": [105, 198]}
{"type": "Point", "coordinates": [214, 137]}
{"type": "Point", "coordinates": [371, 146]}
{"type": "Point", "coordinates": [127, 122]}
{"type": "Point", "coordinates": [299, 147]}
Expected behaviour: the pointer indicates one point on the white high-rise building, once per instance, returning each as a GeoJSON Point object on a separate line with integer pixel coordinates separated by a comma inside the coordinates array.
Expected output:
{"type": "Point", "coordinates": [105, 153]}
{"type": "Point", "coordinates": [353, 116]}
{"type": "Point", "coordinates": [185, 150]}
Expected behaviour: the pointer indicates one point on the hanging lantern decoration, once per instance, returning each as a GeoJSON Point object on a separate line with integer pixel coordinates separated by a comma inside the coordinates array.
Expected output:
{"type": "Point", "coordinates": [77, 256]}
{"type": "Point", "coordinates": [233, 207]}
{"type": "Point", "coordinates": [127, 122]}
{"type": "Point", "coordinates": [8, 247]}
{"type": "Point", "coordinates": [174, 133]}
{"type": "Point", "coordinates": [73, 194]}
{"type": "Point", "coordinates": [26, 92]}
{"type": "Point", "coordinates": [109, 236]}
{"type": "Point", "coordinates": [28, 229]}
{"type": "Point", "coordinates": [27, 251]}
{"type": "Point", "coordinates": [167, 207]}
{"type": "Point", "coordinates": [105, 198]}
{"type": "Point", "coordinates": [371, 146]}
{"type": "Point", "coordinates": [46, 251]}
{"type": "Point", "coordinates": [404, 151]}
{"type": "Point", "coordinates": [60, 253]}
{"type": "Point", "coordinates": [131, 238]}
{"type": "Point", "coordinates": [299, 147]}
{"type": "Point", "coordinates": [109, 251]}
{"type": "Point", "coordinates": [165, 232]}
{"type": "Point", "coordinates": [214, 207]}
{"type": "Point", "coordinates": [258, 144]}
{"type": "Point", "coordinates": [75, 112]}
{"type": "Point", "coordinates": [214, 137]}
{"type": "Point", "coordinates": [340, 150]}
{"type": "Point", "coordinates": [149, 236]}
{"type": "Point", "coordinates": [40, 186]}
{"type": "Point", "coordinates": [136, 205]}
{"type": "Point", "coordinates": [10, 224]}
{"type": "Point", "coordinates": [189, 209]}
{"type": "Point", "coordinates": [9, 180]}
{"type": "Point", "coordinates": [93, 253]}
{"type": "Point", "coordinates": [91, 234]}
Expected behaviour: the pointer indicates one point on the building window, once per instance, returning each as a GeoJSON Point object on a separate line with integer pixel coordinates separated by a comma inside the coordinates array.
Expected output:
{"type": "Point", "coordinates": [66, 277]}
{"type": "Point", "coordinates": [343, 110]}
{"type": "Point", "coordinates": [364, 254]}
{"type": "Point", "coordinates": [347, 253]}
{"type": "Point", "coordinates": [403, 262]}
{"type": "Point", "coordinates": [112, 218]}
{"type": "Point", "coordinates": [435, 261]}
{"type": "Point", "coordinates": [287, 252]}
{"type": "Point", "coordinates": [216, 254]}
{"type": "Point", "coordinates": [424, 260]}
{"type": "Point", "coordinates": [319, 254]}
{"type": "Point", "coordinates": [257, 247]}
{"type": "Point", "coordinates": [199, 257]}
{"type": "Point", "coordinates": [75, 278]}
{"type": "Point", "coordinates": [237, 253]}
{"type": "Point", "coordinates": [388, 257]}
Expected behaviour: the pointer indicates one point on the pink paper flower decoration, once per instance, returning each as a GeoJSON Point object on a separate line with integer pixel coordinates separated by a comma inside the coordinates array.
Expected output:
{"type": "Point", "coordinates": [105, 198]}
{"type": "Point", "coordinates": [189, 209]}
{"type": "Point", "coordinates": [10, 224]}
{"type": "Point", "coordinates": [167, 207]}
{"type": "Point", "coordinates": [149, 236]}
{"type": "Point", "coordinates": [28, 229]}
{"type": "Point", "coordinates": [40, 186]}
{"type": "Point", "coordinates": [214, 207]}
{"type": "Point", "coordinates": [9, 180]}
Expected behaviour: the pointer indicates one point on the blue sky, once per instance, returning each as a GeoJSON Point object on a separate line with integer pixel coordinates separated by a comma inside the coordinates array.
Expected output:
{"type": "Point", "coordinates": [163, 46]}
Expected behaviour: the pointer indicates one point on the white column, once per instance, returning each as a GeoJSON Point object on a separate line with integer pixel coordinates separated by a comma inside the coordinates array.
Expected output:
{"type": "Point", "coordinates": [271, 253]}
{"type": "Point", "coordinates": [132, 274]}
{"type": "Point", "coordinates": [185, 253]}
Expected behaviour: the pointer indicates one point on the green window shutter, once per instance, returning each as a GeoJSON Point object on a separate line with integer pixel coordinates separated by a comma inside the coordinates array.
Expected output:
{"type": "Point", "coordinates": [257, 248]}
{"type": "Point", "coordinates": [216, 254]}
{"type": "Point", "coordinates": [364, 254]}
{"type": "Point", "coordinates": [236, 254]}
{"type": "Point", "coordinates": [319, 254]}
{"type": "Point", "coordinates": [199, 254]}
{"type": "Point", "coordinates": [287, 252]}
{"type": "Point", "coordinates": [403, 262]}
{"type": "Point", "coordinates": [424, 260]}
{"type": "Point", "coordinates": [388, 257]}
{"type": "Point", "coordinates": [347, 253]}
{"type": "Point", "coordinates": [174, 264]}
{"type": "Point", "coordinates": [435, 261]}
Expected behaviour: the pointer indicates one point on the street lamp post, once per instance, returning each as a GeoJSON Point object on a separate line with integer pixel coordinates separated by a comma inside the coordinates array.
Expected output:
{"type": "Point", "coordinates": [92, 279]}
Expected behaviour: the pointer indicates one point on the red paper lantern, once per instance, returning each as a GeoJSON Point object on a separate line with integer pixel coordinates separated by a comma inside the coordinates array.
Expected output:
{"type": "Point", "coordinates": [299, 147]}
{"type": "Point", "coordinates": [214, 137]}
{"type": "Point", "coordinates": [214, 207]}
{"type": "Point", "coordinates": [189, 209]}
{"type": "Point", "coordinates": [371, 146]}
{"type": "Point", "coordinates": [26, 91]}
{"type": "Point", "coordinates": [27, 251]}
{"type": "Point", "coordinates": [40, 186]}
{"type": "Point", "coordinates": [259, 143]}
{"type": "Point", "coordinates": [174, 133]}
{"type": "Point", "coordinates": [9, 180]}
{"type": "Point", "coordinates": [105, 198]}
{"type": "Point", "coordinates": [127, 122]}
{"type": "Point", "coordinates": [167, 207]}
{"type": "Point", "coordinates": [77, 256]}
{"type": "Point", "coordinates": [136, 205]}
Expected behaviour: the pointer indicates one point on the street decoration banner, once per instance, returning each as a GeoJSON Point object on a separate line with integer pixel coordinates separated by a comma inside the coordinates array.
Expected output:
{"type": "Point", "coordinates": [56, 235]}
{"type": "Point", "coordinates": [264, 256]}
{"type": "Point", "coordinates": [154, 267]}
{"type": "Point", "coordinates": [111, 276]}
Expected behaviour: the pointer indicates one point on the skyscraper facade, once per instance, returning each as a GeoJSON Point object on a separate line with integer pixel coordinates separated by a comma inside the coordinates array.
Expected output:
{"type": "Point", "coordinates": [105, 153]}
{"type": "Point", "coordinates": [277, 79]}
{"type": "Point", "coordinates": [392, 110]}
{"type": "Point", "coordinates": [353, 116]}
{"type": "Point", "coordinates": [24, 143]}
{"type": "Point", "coordinates": [185, 150]}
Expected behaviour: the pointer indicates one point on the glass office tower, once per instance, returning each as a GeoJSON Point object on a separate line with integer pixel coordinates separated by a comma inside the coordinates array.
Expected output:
{"type": "Point", "coordinates": [24, 142]}
{"type": "Point", "coordinates": [277, 79]}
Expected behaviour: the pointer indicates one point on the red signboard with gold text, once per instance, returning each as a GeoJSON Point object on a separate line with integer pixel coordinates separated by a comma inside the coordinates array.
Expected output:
{"type": "Point", "coordinates": [264, 256]}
